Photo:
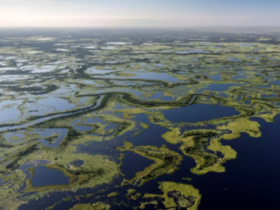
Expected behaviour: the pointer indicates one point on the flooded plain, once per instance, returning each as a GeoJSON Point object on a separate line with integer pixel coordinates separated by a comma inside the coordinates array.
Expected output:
{"type": "Point", "coordinates": [154, 120]}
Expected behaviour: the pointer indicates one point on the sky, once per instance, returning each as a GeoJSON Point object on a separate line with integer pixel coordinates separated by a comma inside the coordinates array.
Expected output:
{"type": "Point", "coordinates": [139, 13]}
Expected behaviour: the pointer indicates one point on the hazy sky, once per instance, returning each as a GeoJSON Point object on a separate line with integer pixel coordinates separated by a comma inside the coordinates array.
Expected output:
{"type": "Point", "coordinates": [139, 13]}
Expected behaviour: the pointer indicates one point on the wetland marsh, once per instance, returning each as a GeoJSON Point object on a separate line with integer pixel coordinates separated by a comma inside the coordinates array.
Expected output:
{"type": "Point", "coordinates": [139, 119]}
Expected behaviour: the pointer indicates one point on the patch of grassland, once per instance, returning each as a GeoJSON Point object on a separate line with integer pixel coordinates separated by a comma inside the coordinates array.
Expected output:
{"type": "Point", "coordinates": [241, 125]}
{"type": "Point", "coordinates": [180, 195]}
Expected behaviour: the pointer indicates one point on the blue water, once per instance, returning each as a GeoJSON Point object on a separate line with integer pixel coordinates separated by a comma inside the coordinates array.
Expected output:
{"type": "Point", "coordinates": [199, 113]}
{"type": "Point", "coordinates": [216, 77]}
{"type": "Point", "coordinates": [146, 76]}
{"type": "Point", "coordinates": [58, 103]}
{"type": "Point", "coordinates": [238, 77]}
{"type": "Point", "coordinates": [94, 120]}
{"type": "Point", "coordinates": [264, 86]}
{"type": "Point", "coordinates": [11, 113]}
{"type": "Point", "coordinates": [155, 76]}
{"type": "Point", "coordinates": [61, 134]}
{"type": "Point", "coordinates": [159, 95]}
{"type": "Point", "coordinates": [80, 128]}
{"type": "Point", "coordinates": [276, 82]}
{"type": "Point", "coordinates": [133, 163]}
{"type": "Point", "coordinates": [268, 96]}
{"type": "Point", "coordinates": [44, 176]}
{"type": "Point", "coordinates": [150, 136]}
{"type": "Point", "coordinates": [221, 87]}
{"type": "Point", "coordinates": [251, 180]}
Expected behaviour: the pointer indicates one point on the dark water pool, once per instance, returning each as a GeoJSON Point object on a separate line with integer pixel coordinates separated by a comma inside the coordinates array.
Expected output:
{"type": "Point", "coordinates": [150, 136]}
{"type": "Point", "coordinates": [276, 82]}
{"type": "Point", "coordinates": [133, 163]}
{"type": "Point", "coordinates": [44, 176]}
{"type": "Point", "coordinates": [199, 112]}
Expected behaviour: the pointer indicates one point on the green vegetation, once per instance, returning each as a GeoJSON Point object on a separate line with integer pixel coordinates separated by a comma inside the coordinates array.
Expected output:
{"type": "Point", "coordinates": [180, 195]}
{"type": "Point", "coordinates": [241, 125]}
{"type": "Point", "coordinates": [113, 194]}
